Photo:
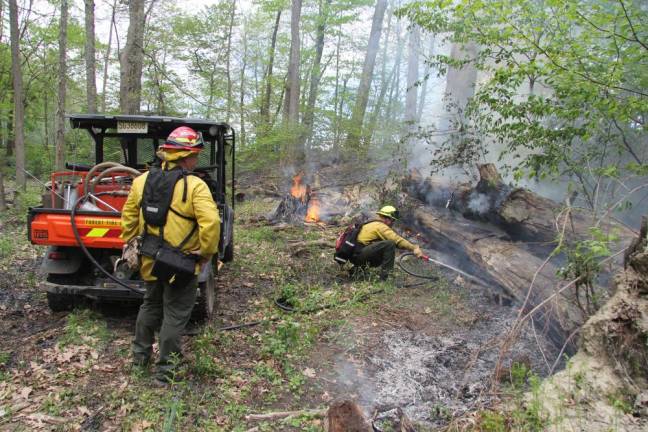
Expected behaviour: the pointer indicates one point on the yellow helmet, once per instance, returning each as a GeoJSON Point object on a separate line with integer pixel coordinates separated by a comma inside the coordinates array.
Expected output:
{"type": "Point", "coordinates": [389, 211]}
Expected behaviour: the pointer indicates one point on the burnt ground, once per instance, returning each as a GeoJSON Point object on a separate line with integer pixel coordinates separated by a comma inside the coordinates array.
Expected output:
{"type": "Point", "coordinates": [429, 349]}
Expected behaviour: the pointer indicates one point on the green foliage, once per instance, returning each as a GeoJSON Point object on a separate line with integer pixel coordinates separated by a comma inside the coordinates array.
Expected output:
{"type": "Point", "coordinates": [563, 95]}
{"type": "Point", "coordinates": [583, 259]}
{"type": "Point", "coordinates": [206, 351]}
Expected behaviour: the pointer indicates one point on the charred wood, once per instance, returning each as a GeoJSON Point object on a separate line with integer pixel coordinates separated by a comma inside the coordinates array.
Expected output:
{"type": "Point", "coordinates": [487, 251]}
{"type": "Point", "coordinates": [346, 416]}
{"type": "Point", "coordinates": [521, 213]}
{"type": "Point", "coordinates": [291, 209]}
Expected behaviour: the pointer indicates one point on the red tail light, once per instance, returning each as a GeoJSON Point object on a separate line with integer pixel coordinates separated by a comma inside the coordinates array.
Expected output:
{"type": "Point", "coordinates": [57, 256]}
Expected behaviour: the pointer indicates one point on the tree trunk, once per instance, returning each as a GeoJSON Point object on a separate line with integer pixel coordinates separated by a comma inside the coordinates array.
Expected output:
{"type": "Point", "coordinates": [132, 59]}
{"type": "Point", "coordinates": [229, 62]}
{"type": "Point", "coordinates": [373, 119]}
{"type": "Point", "coordinates": [291, 98]}
{"type": "Point", "coordinates": [59, 160]}
{"type": "Point", "coordinates": [369, 131]}
{"type": "Point", "coordinates": [91, 82]}
{"type": "Point", "coordinates": [357, 118]}
{"type": "Point", "coordinates": [460, 82]}
{"type": "Point", "coordinates": [412, 77]}
{"type": "Point", "coordinates": [395, 84]}
{"type": "Point", "coordinates": [242, 90]}
{"type": "Point", "coordinates": [19, 103]}
{"type": "Point", "coordinates": [10, 123]}
{"type": "Point", "coordinates": [265, 104]}
{"type": "Point", "coordinates": [3, 202]}
{"type": "Point", "coordinates": [426, 78]}
{"type": "Point", "coordinates": [107, 58]}
{"type": "Point", "coordinates": [336, 119]}
{"type": "Point", "coordinates": [316, 72]}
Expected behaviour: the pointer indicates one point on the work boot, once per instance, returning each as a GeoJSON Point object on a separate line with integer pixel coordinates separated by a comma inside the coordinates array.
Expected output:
{"type": "Point", "coordinates": [358, 273]}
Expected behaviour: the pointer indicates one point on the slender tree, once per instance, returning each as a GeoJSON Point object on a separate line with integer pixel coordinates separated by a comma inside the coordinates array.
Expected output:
{"type": "Point", "coordinates": [62, 87]}
{"type": "Point", "coordinates": [132, 59]}
{"type": "Point", "coordinates": [90, 61]}
{"type": "Point", "coordinates": [104, 83]}
{"type": "Point", "coordinates": [291, 99]}
{"type": "Point", "coordinates": [228, 54]}
{"type": "Point", "coordinates": [265, 104]}
{"type": "Point", "coordinates": [316, 71]}
{"type": "Point", "coordinates": [242, 134]}
{"type": "Point", "coordinates": [426, 73]}
{"type": "Point", "coordinates": [412, 75]}
{"type": "Point", "coordinates": [18, 97]}
{"type": "Point", "coordinates": [357, 118]}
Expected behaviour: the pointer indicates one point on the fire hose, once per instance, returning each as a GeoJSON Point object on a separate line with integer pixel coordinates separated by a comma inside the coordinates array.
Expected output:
{"type": "Point", "coordinates": [89, 188]}
{"type": "Point", "coordinates": [439, 263]}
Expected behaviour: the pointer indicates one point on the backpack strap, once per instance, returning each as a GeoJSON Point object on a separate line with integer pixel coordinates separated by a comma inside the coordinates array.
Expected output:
{"type": "Point", "coordinates": [186, 239]}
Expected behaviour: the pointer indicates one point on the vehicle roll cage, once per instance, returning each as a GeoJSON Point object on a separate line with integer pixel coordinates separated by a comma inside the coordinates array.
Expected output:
{"type": "Point", "coordinates": [216, 135]}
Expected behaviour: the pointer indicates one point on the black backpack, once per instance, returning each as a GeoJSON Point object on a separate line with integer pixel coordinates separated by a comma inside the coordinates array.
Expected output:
{"type": "Point", "coordinates": [156, 204]}
{"type": "Point", "coordinates": [346, 243]}
{"type": "Point", "coordinates": [158, 193]}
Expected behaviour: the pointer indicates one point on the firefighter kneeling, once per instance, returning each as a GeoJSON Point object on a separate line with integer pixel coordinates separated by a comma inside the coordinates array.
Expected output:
{"type": "Point", "coordinates": [175, 214]}
{"type": "Point", "coordinates": [377, 242]}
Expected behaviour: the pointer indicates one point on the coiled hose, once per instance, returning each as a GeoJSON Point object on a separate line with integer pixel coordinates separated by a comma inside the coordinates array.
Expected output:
{"type": "Point", "coordinates": [87, 189]}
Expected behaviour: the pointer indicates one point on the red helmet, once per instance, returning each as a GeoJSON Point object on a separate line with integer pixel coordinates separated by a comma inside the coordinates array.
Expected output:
{"type": "Point", "coordinates": [184, 138]}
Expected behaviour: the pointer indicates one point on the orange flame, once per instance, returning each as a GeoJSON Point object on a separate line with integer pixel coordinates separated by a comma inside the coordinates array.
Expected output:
{"type": "Point", "coordinates": [302, 192]}
{"type": "Point", "coordinates": [298, 189]}
{"type": "Point", "coordinates": [312, 215]}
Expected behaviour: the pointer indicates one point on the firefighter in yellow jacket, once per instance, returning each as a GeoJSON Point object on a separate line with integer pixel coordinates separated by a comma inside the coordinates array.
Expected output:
{"type": "Point", "coordinates": [377, 243]}
{"type": "Point", "coordinates": [167, 304]}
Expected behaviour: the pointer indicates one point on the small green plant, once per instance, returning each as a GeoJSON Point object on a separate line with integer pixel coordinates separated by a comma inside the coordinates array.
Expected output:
{"type": "Point", "coordinates": [441, 411]}
{"type": "Point", "coordinates": [84, 327]}
{"type": "Point", "coordinates": [268, 373]}
{"type": "Point", "coordinates": [6, 247]}
{"type": "Point", "coordinates": [5, 356]}
{"type": "Point", "coordinates": [583, 265]}
{"type": "Point", "coordinates": [173, 413]}
{"type": "Point", "coordinates": [206, 355]}
{"type": "Point", "coordinates": [621, 402]}
{"type": "Point", "coordinates": [284, 339]}
{"type": "Point", "coordinates": [492, 421]}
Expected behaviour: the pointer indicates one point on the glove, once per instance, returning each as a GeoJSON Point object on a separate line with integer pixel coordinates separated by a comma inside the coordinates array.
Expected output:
{"type": "Point", "coordinates": [417, 252]}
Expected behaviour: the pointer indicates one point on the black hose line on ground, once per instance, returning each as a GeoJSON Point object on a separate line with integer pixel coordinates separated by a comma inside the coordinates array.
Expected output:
{"type": "Point", "coordinates": [85, 250]}
{"type": "Point", "coordinates": [399, 261]}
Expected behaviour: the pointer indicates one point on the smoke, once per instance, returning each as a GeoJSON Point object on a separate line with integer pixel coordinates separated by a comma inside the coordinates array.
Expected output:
{"type": "Point", "coordinates": [479, 203]}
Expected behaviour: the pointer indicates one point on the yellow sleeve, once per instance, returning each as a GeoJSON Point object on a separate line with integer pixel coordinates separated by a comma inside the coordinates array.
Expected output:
{"type": "Point", "coordinates": [206, 214]}
{"type": "Point", "coordinates": [130, 214]}
{"type": "Point", "coordinates": [386, 233]}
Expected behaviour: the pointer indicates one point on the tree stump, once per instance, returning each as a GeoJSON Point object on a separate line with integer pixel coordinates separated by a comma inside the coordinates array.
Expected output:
{"type": "Point", "coordinates": [346, 416]}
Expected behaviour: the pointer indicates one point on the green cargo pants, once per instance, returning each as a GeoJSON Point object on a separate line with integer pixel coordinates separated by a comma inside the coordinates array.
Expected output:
{"type": "Point", "coordinates": [167, 309]}
{"type": "Point", "coordinates": [377, 254]}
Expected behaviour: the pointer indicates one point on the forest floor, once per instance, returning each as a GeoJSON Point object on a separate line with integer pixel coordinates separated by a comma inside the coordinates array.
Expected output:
{"type": "Point", "coordinates": [427, 347]}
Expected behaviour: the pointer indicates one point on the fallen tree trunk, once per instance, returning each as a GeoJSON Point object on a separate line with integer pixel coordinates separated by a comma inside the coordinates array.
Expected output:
{"type": "Point", "coordinates": [487, 251]}
{"type": "Point", "coordinates": [521, 213]}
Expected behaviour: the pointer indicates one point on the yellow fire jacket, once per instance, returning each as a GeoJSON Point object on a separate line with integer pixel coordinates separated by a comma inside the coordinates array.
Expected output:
{"type": "Point", "coordinates": [199, 205]}
{"type": "Point", "coordinates": [377, 230]}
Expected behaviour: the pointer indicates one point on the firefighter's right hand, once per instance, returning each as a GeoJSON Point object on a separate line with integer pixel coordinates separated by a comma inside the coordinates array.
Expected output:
{"type": "Point", "coordinates": [417, 252]}
{"type": "Point", "coordinates": [200, 260]}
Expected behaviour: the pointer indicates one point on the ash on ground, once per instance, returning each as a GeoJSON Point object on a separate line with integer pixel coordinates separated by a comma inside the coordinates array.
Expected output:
{"type": "Point", "coordinates": [431, 374]}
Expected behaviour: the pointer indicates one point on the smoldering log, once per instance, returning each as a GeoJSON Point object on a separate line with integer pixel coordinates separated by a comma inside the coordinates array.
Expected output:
{"type": "Point", "coordinates": [487, 251]}
{"type": "Point", "coordinates": [521, 213]}
{"type": "Point", "coordinates": [291, 209]}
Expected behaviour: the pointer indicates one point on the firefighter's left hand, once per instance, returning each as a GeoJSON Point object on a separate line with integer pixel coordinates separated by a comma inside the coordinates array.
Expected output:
{"type": "Point", "coordinates": [417, 252]}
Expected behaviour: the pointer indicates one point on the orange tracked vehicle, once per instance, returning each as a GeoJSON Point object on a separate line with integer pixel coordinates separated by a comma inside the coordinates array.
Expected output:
{"type": "Point", "coordinates": [79, 219]}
